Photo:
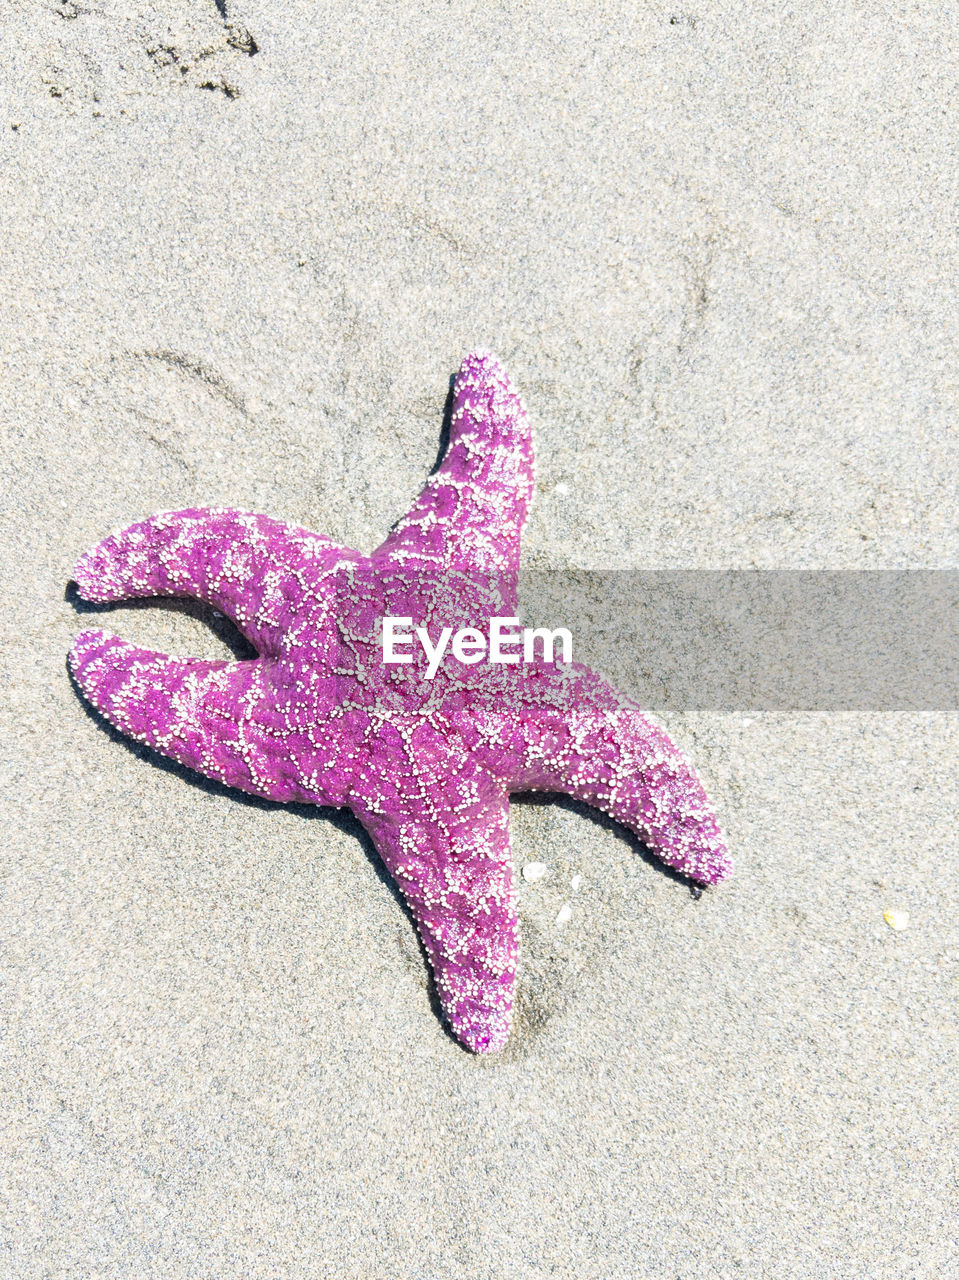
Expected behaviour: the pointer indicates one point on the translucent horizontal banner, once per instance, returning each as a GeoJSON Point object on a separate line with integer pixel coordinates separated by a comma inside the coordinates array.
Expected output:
{"type": "Point", "coordinates": [779, 640]}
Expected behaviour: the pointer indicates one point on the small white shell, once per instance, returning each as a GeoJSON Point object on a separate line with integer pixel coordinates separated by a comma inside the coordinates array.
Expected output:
{"type": "Point", "coordinates": [576, 882]}
{"type": "Point", "coordinates": [897, 920]}
{"type": "Point", "coordinates": [534, 871]}
{"type": "Point", "coordinates": [565, 913]}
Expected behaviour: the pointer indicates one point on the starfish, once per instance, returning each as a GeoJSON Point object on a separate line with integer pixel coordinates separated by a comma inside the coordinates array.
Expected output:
{"type": "Point", "coordinates": [426, 765]}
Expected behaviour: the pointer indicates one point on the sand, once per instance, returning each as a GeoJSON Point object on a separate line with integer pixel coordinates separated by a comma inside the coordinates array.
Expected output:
{"type": "Point", "coordinates": [244, 248]}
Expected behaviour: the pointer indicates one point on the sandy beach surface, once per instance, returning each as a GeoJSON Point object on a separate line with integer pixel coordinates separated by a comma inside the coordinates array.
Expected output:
{"type": "Point", "coordinates": [244, 247]}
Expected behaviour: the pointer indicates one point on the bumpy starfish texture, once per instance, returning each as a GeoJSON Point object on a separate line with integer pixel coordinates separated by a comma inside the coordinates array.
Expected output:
{"type": "Point", "coordinates": [426, 765]}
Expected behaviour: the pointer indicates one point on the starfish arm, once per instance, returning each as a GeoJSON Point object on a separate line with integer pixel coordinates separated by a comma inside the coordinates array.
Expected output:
{"type": "Point", "coordinates": [452, 863]}
{"type": "Point", "coordinates": [250, 567]}
{"type": "Point", "coordinates": [471, 512]}
{"type": "Point", "coordinates": [215, 717]}
{"type": "Point", "coordinates": [578, 735]}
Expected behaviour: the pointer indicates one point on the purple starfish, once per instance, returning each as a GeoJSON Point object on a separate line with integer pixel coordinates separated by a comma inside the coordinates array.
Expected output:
{"type": "Point", "coordinates": [427, 765]}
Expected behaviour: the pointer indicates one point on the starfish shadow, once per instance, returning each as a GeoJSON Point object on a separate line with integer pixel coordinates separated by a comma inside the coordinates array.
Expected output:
{"type": "Point", "coordinates": [444, 442]}
{"type": "Point", "coordinates": [556, 799]}
{"type": "Point", "coordinates": [221, 626]}
{"type": "Point", "coordinates": [241, 649]}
